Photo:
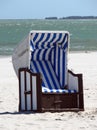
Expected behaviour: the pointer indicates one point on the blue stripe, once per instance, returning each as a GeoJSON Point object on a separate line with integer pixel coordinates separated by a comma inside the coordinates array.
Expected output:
{"type": "Point", "coordinates": [69, 91]}
{"type": "Point", "coordinates": [74, 91]}
{"type": "Point", "coordinates": [44, 53]}
{"type": "Point", "coordinates": [59, 38]}
{"type": "Point", "coordinates": [49, 73]}
{"type": "Point", "coordinates": [31, 68]}
{"type": "Point", "coordinates": [50, 54]}
{"type": "Point", "coordinates": [65, 46]}
{"type": "Point", "coordinates": [45, 91]}
{"type": "Point", "coordinates": [54, 79]}
{"type": "Point", "coordinates": [47, 38]}
{"type": "Point", "coordinates": [49, 43]}
{"type": "Point", "coordinates": [39, 41]}
{"type": "Point", "coordinates": [32, 56]}
{"type": "Point", "coordinates": [57, 91]}
{"type": "Point", "coordinates": [38, 55]}
{"type": "Point", "coordinates": [35, 37]}
{"type": "Point", "coordinates": [45, 75]}
{"type": "Point", "coordinates": [41, 54]}
{"type": "Point", "coordinates": [36, 70]}
{"type": "Point", "coordinates": [64, 38]}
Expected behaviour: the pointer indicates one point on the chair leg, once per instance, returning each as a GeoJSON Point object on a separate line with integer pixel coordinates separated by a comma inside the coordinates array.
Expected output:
{"type": "Point", "coordinates": [81, 95]}
{"type": "Point", "coordinates": [81, 102]}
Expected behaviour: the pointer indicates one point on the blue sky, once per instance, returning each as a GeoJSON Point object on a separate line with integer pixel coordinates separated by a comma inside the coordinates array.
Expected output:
{"type": "Point", "coordinates": [25, 9]}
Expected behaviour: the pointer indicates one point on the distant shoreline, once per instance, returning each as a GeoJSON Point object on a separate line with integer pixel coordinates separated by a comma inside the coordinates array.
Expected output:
{"type": "Point", "coordinates": [72, 17]}
{"type": "Point", "coordinates": [59, 18]}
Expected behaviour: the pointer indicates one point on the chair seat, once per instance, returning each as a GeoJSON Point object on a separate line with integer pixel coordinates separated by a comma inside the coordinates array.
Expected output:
{"type": "Point", "coordinates": [47, 90]}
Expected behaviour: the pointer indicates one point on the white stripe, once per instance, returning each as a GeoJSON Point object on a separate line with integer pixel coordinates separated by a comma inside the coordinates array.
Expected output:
{"type": "Point", "coordinates": [22, 91]}
{"type": "Point", "coordinates": [52, 57]}
{"type": "Point", "coordinates": [28, 89]}
{"type": "Point", "coordinates": [45, 82]}
{"type": "Point", "coordinates": [42, 51]}
{"type": "Point", "coordinates": [31, 48]}
{"type": "Point", "coordinates": [34, 93]}
{"type": "Point", "coordinates": [57, 36]}
{"type": "Point", "coordinates": [38, 38]}
{"type": "Point", "coordinates": [64, 42]}
{"type": "Point", "coordinates": [51, 36]}
{"type": "Point", "coordinates": [61, 66]}
{"type": "Point", "coordinates": [56, 64]}
{"type": "Point", "coordinates": [48, 75]}
{"type": "Point", "coordinates": [47, 53]}
{"type": "Point", "coordinates": [36, 54]}
{"type": "Point", "coordinates": [41, 42]}
{"type": "Point", "coordinates": [41, 54]}
{"type": "Point", "coordinates": [33, 35]}
{"type": "Point", "coordinates": [53, 73]}
{"type": "Point", "coordinates": [45, 36]}
{"type": "Point", "coordinates": [62, 38]}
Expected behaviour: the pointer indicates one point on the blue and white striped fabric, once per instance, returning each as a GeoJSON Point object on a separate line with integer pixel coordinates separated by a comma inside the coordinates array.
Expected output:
{"type": "Point", "coordinates": [59, 62]}
{"type": "Point", "coordinates": [57, 58]}
{"type": "Point", "coordinates": [49, 57]}
{"type": "Point", "coordinates": [42, 54]}
{"type": "Point", "coordinates": [46, 40]}
{"type": "Point", "coordinates": [49, 77]}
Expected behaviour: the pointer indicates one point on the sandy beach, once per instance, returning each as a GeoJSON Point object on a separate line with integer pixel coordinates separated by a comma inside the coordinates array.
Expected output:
{"type": "Point", "coordinates": [11, 119]}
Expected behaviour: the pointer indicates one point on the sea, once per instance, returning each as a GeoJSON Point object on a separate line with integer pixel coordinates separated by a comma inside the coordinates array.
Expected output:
{"type": "Point", "coordinates": [83, 32]}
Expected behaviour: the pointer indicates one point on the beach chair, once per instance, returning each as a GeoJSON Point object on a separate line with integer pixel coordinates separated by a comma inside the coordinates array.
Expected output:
{"type": "Point", "coordinates": [46, 84]}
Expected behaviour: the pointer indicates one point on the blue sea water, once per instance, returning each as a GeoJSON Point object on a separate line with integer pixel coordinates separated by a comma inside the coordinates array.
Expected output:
{"type": "Point", "coordinates": [83, 32]}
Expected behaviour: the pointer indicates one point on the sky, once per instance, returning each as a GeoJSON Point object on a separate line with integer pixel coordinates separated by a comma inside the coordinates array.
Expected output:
{"type": "Point", "coordinates": [38, 9]}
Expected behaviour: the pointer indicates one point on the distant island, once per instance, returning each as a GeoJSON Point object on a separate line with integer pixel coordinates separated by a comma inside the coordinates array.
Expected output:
{"type": "Point", "coordinates": [73, 17]}
{"type": "Point", "coordinates": [51, 18]}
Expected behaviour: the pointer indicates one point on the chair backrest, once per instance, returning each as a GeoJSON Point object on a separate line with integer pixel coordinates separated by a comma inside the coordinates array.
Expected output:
{"type": "Point", "coordinates": [49, 57]}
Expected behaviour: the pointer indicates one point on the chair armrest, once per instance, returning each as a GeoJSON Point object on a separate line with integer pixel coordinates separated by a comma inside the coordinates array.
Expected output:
{"type": "Point", "coordinates": [75, 81]}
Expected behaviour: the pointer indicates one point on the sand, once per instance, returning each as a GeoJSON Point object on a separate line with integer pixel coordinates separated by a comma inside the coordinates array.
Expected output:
{"type": "Point", "coordinates": [11, 119]}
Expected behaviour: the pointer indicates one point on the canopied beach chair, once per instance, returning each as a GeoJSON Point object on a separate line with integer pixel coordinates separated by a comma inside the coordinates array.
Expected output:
{"type": "Point", "coordinates": [45, 83]}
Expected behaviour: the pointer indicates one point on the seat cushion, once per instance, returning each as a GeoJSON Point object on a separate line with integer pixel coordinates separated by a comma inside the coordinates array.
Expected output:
{"type": "Point", "coordinates": [47, 90]}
